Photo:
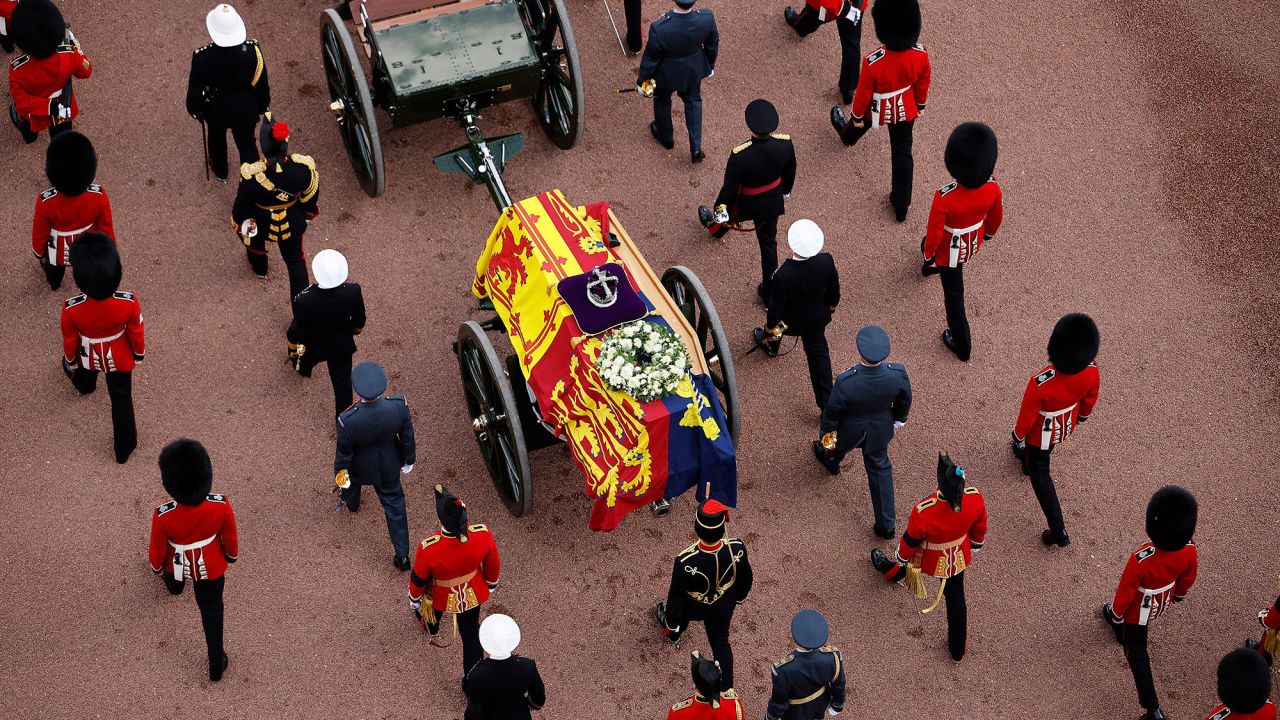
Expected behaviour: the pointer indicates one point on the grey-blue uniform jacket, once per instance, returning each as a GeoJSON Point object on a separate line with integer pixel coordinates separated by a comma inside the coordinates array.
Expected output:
{"type": "Point", "coordinates": [805, 683]}
{"type": "Point", "coordinates": [864, 404]}
{"type": "Point", "coordinates": [681, 50]}
{"type": "Point", "coordinates": [374, 440]}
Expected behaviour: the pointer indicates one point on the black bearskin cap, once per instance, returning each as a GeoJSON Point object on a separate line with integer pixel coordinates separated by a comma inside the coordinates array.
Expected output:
{"type": "Point", "coordinates": [706, 678]}
{"type": "Point", "coordinates": [37, 27]}
{"type": "Point", "coordinates": [1171, 518]}
{"type": "Point", "coordinates": [185, 470]}
{"type": "Point", "coordinates": [897, 23]}
{"type": "Point", "coordinates": [710, 525]}
{"type": "Point", "coordinates": [971, 154]}
{"type": "Point", "coordinates": [452, 513]}
{"type": "Point", "coordinates": [1244, 680]}
{"type": "Point", "coordinates": [951, 480]}
{"type": "Point", "coordinates": [1074, 343]}
{"type": "Point", "coordinates": [70, 163]}
{"type": "Point", "coordinates": [95, 264]}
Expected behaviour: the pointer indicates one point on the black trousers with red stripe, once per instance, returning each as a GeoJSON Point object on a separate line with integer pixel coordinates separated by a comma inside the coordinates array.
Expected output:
{"type": "Point", "coordinates": [120, 389]}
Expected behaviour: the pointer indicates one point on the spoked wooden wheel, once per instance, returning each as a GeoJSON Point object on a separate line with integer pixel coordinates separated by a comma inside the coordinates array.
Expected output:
{"type": "Point", "coordinates": [495, 418]}
{"type": "Point", "coordinates": [688, 294]}
{"type": "Point", "coordinates": [558, 102]}
{"type": "Point", "coordinates": [351, 104]}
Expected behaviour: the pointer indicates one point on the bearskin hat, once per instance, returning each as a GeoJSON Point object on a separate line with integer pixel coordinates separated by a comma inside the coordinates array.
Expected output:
{"type": "Point", "coordinates": [95, 264]}
{"type": "Point", "coordinates": [710, 525]}
{"type": "Point", "coordinates": [70, 163]}
{"type": "Point", "coordinates": [706, 678]}
{"type": "Point", "coordinates": [37, 27]}
{"type": "Point", "coordinates": [1171, 518]}
{"type": "Point", "coordinates": [186, 471]}
{"type": "Point", "coordinates": [1074, 343]}
{"type": "Point", "coordinates": [897, 23]}
{"type": "Point", "coordinates": [971, 154]}
{"type": "Point", "coordinates": [452, 513]}
{"type": "Point", "coordinates": [1244, 680]}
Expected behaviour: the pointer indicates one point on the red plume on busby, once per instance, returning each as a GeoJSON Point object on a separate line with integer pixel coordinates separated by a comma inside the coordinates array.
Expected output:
{"type": "Point", "coordinates": [95, 264]}
{"type": "Point", "coordinates": [710, 524]}
{"type": "Point", "coordinates": [1171, 518]}
{"type": "Point", "coordinates": [1244, 681]}
{"type": "Point", "coordinates": [186, 471]}
{"type": "Point", "coordinates": [452, 513]}
{"type": "Point", "coordinates": [897, 23]}
{"type": "Point", "coordinates": [1073, 343]}
{"type": "Point", "coordinates": [70, 163]}
{"type": "Point", "coordinates": [37, 27]}
{"type": "Point", "coordinates": [971, 154]}
{"type": "Point", "coordinates": [274, 140]}
{"type": "Point", "coordinates": [280, 132]}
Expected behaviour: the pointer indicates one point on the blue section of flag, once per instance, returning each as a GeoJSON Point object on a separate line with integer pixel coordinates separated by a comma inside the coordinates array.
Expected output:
{"type": "Point", "coordinates": [693, 459]}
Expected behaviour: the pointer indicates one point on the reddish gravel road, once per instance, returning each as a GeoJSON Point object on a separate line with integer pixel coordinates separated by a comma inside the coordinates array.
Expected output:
{"type": "Point", "coordinates": [1139, 161]}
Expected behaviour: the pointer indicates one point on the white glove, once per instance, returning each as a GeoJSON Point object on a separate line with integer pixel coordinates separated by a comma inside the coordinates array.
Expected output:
{"type": "Point", "coordinates": [898, 425]}
{"type": "Point", "coordinates": [415, 605]}
{"type": "Point", "coordinates": [854, 14]}
{"type": "Point", "coordinates": [721, 215]}
{"type": "Point", "coordinates": [249, 228]}
{"type": "Point", "coordinates": [833, 713]}
{"type": "Point", "coordinates": [405, 470]}
{"type": "Point", "coordinates": [713, 74]}
{"type": "Point", "coordinates": [786, 196]}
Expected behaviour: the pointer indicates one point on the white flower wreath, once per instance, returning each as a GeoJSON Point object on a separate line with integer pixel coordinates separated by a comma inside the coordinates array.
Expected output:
{"type": "Point", "coordinates": [642, 359]}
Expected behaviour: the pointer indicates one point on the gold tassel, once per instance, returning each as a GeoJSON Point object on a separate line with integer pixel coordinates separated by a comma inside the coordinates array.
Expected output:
{"type": "Point", "coordinates": [915, 583]}
{"type": "Point", "coordinates": [942, 586]}
{"type": "Point", "coordinates": [1271, 641]}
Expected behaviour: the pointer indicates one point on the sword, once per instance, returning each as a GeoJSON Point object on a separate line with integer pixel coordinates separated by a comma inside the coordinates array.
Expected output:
{"type": "Point", "coordinates": [615, 28]}
{"type": "Point", "coordinates": [204, 143]}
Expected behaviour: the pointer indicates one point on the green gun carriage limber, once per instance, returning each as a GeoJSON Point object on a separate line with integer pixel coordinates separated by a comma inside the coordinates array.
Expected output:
{"type": "Point", "coordinates": [432, 59]}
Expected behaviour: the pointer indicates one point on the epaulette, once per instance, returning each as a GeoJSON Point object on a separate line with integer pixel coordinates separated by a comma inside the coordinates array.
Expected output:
{"type": "Point", "coordinates": [948, 188]}
{"type": "Point", "coordinates": [94, 188]}
{"type": "Point", "coordinates": [257, 70]}
{"type": "Point", "coordinates": [683, 704]}
{"type": "Point", "coordinates": [926, 504]}
{"type": "Point", "coordinates": [780, 136]}
{"type": "Point", "coordinates": [920, 47]}
{"type": "Point", "coordinates": [122, 295]}
{"type": "Point", "coordinates": [742, 147]}
{"type": "Point", "coordinates": [784, 661]}
{"type": "Point", "coordinates": [19, 61]}
{"type": "Point", "coordinates": [314, 185]}
{"type": "Point", "coordinates": [665, 16]}
{"type": "Point", "coordinates": [303, 160]}
{"type": "Point", "coordinates": [1044, 377]}
{"type": "Point", "coordinates": [1145, 553]}
{"type": "Point", "coordinates": [875, 56]}
{"type": "Point", "coordinates": [399, 397]}
{"type": "Point", "coordinates": [351, 410]}
{"type": "Point", "coordinates": [49, 194]}
{"type": "Point", "coordinates": [829, 648]}
{"type": "Point", "coordinates": [162, 509]}
{"type": "Point", "coordinates": [216, 497]}
{"type": "Point", "coordinates": [703, 11]}
{"type": "Point", "coordinates": [896, 366]}
{"type": "Point", "coordinates": [692, 549]}
{"type": "Point", "coordinates": [66, 47]}
{"type": "Point", "coordinates": [972, 491]}
{"type": "Point", "coordinates": [74, 301]}
{"type": "Point", "coordinates": [429, 541]}
{"type": "Point", "coordinates": [478, 527]}
{"type": "Point", "coordinates": [199, 50]}
{"type": "Point", "coordinates": [729, 694]}
{"type": "Point", "coordinates": [248, 170]}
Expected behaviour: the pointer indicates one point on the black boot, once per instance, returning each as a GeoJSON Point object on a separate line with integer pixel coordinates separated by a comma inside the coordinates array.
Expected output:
{"type": "Point", "coordinates": [217, 668]}
{"type": "Point", "coordinates": [837, 120]}
{"type": "Point", "coordinates": [883, 565]}
{"type": "Point", "coordinates": [1049, 538]}
{"type": "Point", "coordinates": [790, 15]}
{"type": "Point", "coordinates": [1116, 627]}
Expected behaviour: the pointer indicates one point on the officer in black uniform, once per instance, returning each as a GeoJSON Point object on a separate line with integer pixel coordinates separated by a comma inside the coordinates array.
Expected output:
{"type": "Point", "coordinates": [804, 293]}
{"type": "Point", "coordinates": [376, 447]}
{"type": "Point", "coordinates": [708, 580]}
{"type": "Point", "coordinates": [870, 400]}
{"type": "Point", "coordinates": [227, 88]}
{"type": "Point", "coordinates": [757, 181]}
{"type": "Point", "coordinates": [277, 198]}
{"type": "Point", "coordinates": [326, 318]}
{"type": "Point", "coordinates": [502, 686]}
{"type": "Point", "coordinates": [809, 681]}
{"type": "Point", "coordinates": [681, 51]}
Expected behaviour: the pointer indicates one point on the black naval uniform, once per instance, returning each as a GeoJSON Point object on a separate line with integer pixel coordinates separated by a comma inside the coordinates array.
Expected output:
{"type": "Point", "coordinates": [503, 689]}
{"type": "Point", "coordinates": [706, 585]}
{"type": "Point", "coordinates": [325, 323]}
{"type": "Point", "coordinates": [864, 405]}
{"type": "Point", "coordinates": [375, 439]}
{"type": "Point", "coordinates": [281, 198]}
{"type": "Point", "coordinates": [681, 51]}
{"type": "Point", "coordinates": [760, 172]}
{"type": "Point", "coordinates": [804, 294]}
{"type": "Point", "coordinates": [228, 89]}
{"type": "Point", "coordinates": [806, 683]}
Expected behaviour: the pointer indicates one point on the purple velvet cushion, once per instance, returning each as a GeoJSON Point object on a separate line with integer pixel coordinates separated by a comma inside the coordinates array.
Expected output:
{"type": "Point", "coordinates": [616, 302]}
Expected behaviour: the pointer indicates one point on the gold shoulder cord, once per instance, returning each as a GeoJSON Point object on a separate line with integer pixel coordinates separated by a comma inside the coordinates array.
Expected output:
{"type": "Point", "coordinates": [257, 72]}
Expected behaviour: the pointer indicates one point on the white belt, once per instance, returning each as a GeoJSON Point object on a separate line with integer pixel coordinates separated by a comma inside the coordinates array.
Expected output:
{"type": "Point", "coordinates": [69, 233]}
{"type": "Point", "coordinates": [957, 238]}
{"type": "Point", "coordinates": [1046, 433]}
{"type": "Point", "coordinates": [877, 100]}
{"type": "Point", "coordinates": [4, 28]}
{"type": "Point", "coordinates": [56, 95]}
{"type": "Point", "coordinates": [1144, 615]}
{"type": "Point", "coordinates": [180, 556]}
{"type": "Point", "coordinates": [86, 341]}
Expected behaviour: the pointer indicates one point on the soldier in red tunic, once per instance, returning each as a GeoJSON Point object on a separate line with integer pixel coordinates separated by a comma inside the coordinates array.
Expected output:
{"type": "Point", "coordinates": [71, 208]}
{"type": "Point", "coordinates": [708, 702]}
{"type": "Point", "coordinates": [194, 537]}
{"type": "Point", "coordinates": [1244, 687]}
{"type": "Point", "coordinates": [1158, 572]}
{"type": "Point", "coordinates": [1269, 643]}
{"type": "Point", "coordinates": [847, 15]}
{"type": "Point", "coordinates": [40, 77]}
{"type": "Point", "coordinates": [943, 532]}
{"type": "Point", "coordinates": [1057, 397]}
{"type": "Point", "coordinates": [964, 214]}
{"type": "Point", "coordinates": [893, 87]}
{"type": "Point", "coordinates": [460, 565]}
{"type": "Point", "coordinates": [102, 332]}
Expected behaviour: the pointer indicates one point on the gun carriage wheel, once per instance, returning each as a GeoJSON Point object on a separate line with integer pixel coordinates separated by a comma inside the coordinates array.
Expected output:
{"type": "Point", "coordinates": [351, 103]}
{"type": "Point", "coordinates": [691, 297]}
{"type": "Point", "coordinates": [559, 98]}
